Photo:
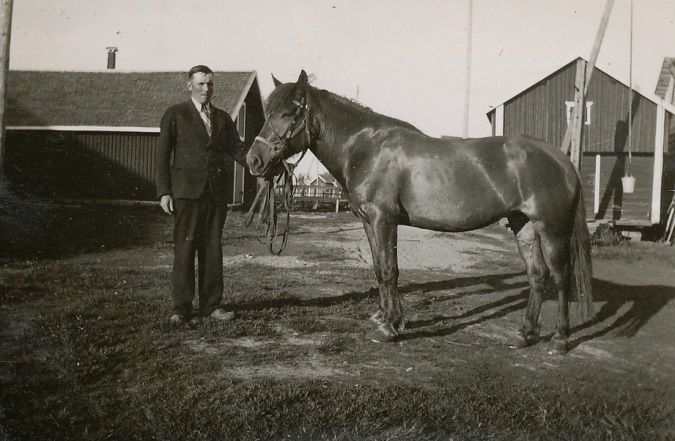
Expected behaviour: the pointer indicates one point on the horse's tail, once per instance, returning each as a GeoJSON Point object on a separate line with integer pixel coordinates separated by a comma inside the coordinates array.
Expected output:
{"type": "Point", "coordinates": [581, 266]}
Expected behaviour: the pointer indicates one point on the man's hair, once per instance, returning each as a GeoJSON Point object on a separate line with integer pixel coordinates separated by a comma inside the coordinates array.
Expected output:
{"type": "Point", "coordinates": [199, 69]}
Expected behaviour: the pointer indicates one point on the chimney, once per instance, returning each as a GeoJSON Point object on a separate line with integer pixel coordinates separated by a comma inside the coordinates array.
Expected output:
{"type": "Point", "coordinates": [111, 57]}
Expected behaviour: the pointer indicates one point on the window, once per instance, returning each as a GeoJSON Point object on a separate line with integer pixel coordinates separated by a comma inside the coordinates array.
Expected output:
{"type": "Point", "coordinates": [241, 122]}
{"type": "Point", "coordinates": [570, 105]}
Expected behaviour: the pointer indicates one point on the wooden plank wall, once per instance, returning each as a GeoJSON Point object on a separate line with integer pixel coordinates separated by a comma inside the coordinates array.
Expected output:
{"type": "Point", "coordinates": [89, 165]}
{"type": "Point", "coordinates": [541, 112]}
{"type": "Point", "coordinates": [92, 165]}
{"type": "Point", "coordinates": [615, 205]}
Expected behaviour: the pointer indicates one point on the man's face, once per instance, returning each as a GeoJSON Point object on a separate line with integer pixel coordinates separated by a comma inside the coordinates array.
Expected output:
{"type": "Point", "coordinates": [201, 86]}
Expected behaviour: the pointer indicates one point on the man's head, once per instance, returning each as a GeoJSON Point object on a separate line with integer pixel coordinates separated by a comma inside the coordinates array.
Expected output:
{"type": "Point", "coordinates": [200, 83]}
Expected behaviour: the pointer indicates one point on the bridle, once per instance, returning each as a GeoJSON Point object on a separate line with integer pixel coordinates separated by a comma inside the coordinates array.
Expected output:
{"type": "Point", "coordinates": [266, 225]}
{"type": "Point", "coordinates": [281, 143]}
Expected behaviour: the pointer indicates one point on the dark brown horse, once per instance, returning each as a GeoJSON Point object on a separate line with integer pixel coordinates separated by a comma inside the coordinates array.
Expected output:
{"type": "Point", "coordinates": [396, 175]}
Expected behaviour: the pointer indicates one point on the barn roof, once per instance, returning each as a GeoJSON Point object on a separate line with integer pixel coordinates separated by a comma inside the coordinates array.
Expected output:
{"type": "Point", "coordinates": [667, 72]}
{"type": "Point", "coordinates": [110, 99]}
{"type": "Point", "coordinates": [327, 178]}
{"type": "Point", "coordinates": [654, 98]}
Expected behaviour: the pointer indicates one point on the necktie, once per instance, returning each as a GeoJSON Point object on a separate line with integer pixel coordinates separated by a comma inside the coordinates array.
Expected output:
{"type": "Point", "coordinates": [206, 117]}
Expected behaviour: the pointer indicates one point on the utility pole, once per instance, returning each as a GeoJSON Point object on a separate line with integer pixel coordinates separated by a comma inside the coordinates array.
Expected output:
{"type": "Point", "coordinates": [5, 33]}
{"type": "Point", "coordinates": [572, 140]}
{"type": "Point", "coordinates": [467, 88]}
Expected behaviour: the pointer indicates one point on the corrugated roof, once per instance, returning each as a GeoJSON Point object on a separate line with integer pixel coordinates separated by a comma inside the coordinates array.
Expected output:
{"type": "Point", "coordinates": [109, 99]}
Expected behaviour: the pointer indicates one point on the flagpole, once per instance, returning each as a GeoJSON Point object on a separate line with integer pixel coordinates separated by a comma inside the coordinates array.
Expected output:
{"type": "Point", "coordinates": [5, 33]}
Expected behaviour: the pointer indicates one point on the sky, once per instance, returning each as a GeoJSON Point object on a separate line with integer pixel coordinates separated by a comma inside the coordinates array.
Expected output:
{"type": "Point", "coordinates": [406, 59]}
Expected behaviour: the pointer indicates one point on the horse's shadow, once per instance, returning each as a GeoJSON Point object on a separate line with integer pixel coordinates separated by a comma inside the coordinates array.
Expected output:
{"type": "Point", "coordinates": [494, 282]}
{"type": "Point", "coordinates": [430, 327]}
{"type": "Point", "coordinates": [645, 302]}
{"type": "Point", "coordinates": [611, 319]}
{"type": "Point", "coordinates": [499, 308]}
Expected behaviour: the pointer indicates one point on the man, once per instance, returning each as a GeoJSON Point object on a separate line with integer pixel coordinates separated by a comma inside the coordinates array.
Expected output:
{"type": "Point", "coordinates": [196, 138]}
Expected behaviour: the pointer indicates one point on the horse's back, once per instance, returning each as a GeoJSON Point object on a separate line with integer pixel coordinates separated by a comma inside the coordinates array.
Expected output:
{"type": "Point", "coordinates": [454, 184]}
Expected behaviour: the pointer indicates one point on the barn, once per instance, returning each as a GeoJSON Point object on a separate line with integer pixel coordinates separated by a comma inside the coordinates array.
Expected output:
{"type": "Point", "coordinates": [665, 89]}
{"type": "Point", "coordinates": [93, 135]}
{"type": "Point", "coordinates": [544, 110]}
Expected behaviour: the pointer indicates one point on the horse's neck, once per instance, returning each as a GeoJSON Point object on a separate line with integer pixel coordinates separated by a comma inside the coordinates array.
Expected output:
{"type": "Point", "coordinates": [337, 122]}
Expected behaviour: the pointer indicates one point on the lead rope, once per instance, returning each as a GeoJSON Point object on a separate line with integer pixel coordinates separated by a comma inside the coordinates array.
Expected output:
{"type": "Point", "coordinates": [267, 222]}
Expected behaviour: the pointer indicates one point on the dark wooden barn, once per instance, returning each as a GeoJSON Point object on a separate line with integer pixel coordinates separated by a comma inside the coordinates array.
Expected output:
{"type": "Point", "coordinates": [543, 111]}
{"type": "Point", "coordinates": [93, 135]}
{"type": "Point", "coordinates": [665, 89]}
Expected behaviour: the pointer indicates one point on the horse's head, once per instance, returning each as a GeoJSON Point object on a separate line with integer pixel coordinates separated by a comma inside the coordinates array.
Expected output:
{"type": "Point", "coordinates": [286, 130]}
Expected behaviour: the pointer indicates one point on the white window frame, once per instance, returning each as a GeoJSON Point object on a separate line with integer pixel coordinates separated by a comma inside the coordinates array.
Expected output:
{"type": "Point", "coordinates": [241, 122]}
{"type": "Point", "coordinates": [569, 105]}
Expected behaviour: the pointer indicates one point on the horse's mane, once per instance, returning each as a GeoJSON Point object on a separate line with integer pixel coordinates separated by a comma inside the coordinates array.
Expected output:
{"type": "Point", "coordinates": [366, 111]}
{"type": "Point", "coordinates": [282, 94]}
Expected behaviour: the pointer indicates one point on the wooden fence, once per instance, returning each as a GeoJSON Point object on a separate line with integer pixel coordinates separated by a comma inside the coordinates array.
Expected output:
{"type": "Point", "coordinates": [318, 194]}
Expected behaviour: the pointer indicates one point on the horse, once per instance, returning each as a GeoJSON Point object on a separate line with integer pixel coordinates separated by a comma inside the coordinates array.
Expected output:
{"type": "Point", "coordinates": [394, 174]}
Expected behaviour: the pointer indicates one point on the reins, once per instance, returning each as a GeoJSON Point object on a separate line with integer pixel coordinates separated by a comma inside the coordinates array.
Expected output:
{"type": "Point", "coordinates": [267, 223]}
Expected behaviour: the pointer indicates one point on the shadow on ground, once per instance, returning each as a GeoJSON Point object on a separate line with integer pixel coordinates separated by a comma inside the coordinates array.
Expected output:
{"type": "Point", "coordinates": [612, 318]}
{"type": "Point", "coordinates": [32, 228]}
{"type": "Point", "coordinates": [644, 302]}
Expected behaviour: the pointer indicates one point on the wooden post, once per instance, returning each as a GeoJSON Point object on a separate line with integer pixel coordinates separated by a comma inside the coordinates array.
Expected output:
{"type": "Point", "coordinates": [5, 33]}
{"type": "Point", "coordinates": [577, 118]}
{"type": "Point", "coordinates": [598, 42]}
{"type": "Point", "coordinates": [581, 86]}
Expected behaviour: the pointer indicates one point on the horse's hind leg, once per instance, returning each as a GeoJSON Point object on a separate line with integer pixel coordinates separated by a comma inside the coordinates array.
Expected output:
{"type": "Point", "coordinates": [529, 246]}
{"type": "Point", "coordinates": [556, 250]}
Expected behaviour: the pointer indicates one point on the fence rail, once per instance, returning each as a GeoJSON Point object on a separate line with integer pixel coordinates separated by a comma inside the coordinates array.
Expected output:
{"type": "Point", "coordinates": [318, 194]}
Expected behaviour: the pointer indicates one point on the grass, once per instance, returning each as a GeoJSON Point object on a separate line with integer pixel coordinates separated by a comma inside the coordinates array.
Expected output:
{"type": "Point", "coordinates": [86, 352]}
{"type": "Point", "coordinates": [608, 243]}
{"type": "Point", "coordinates": [630, 252]}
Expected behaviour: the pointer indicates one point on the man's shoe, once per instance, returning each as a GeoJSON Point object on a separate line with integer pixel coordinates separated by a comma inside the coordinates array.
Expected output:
{"type": "Point", "coordinates": [177, 320]}
{"type": "Point", "coordinates": [220, 314]}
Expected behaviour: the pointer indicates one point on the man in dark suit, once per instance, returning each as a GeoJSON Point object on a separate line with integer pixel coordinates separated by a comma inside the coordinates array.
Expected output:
{"type": "Point", "coordinates": [196, 138]}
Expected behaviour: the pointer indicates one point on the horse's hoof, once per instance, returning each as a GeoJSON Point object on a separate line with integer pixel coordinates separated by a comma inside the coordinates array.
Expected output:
{"type": "Point", "coordinates": [559, 346]}
{"type": "Point", "coordinates": [399, 325]}
{"type": "Point", "coordinates": [519, 342]}
{"type": "Point", "coordinates": [383, 334]}
{"type": "Point", "coordinates": [523, 340]}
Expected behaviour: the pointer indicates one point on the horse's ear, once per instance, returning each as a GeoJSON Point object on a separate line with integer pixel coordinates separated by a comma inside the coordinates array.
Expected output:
{"type": "Point", "coordinates": [302, 83]}
{"type": "Point", "coordinates": [277, 83]}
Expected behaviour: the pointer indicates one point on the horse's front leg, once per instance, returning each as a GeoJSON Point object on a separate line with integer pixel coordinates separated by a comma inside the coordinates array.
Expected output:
{"type": "Point", "coordinates": [378, 316]}
{"type": "Point", "coordinates": [382, 238]}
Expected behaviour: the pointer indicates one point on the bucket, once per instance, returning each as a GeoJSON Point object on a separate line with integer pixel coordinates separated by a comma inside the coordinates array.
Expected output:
{"type": "Point", "coordinates": [628, 183]}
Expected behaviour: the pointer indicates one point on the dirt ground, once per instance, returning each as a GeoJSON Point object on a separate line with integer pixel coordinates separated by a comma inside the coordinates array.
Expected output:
{"type": "Point", "coordinates": [633, 301]}
{"type": "Point", "coordinates": [480, 273]}
{"type": "Point", "coordinates": [464, 297]}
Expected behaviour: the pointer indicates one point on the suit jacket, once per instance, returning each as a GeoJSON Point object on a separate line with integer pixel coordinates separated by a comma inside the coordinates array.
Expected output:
{"type": "Point", "coordinates": [188, 160]}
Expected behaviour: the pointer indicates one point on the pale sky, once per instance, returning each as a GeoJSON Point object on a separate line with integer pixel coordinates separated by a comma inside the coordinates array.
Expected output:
{"type": "Point", "coordinates": [406, 59]}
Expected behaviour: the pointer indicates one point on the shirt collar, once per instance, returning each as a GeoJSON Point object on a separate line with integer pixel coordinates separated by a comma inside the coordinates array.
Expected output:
{"type": "Point", "coordinates": [199, 105]}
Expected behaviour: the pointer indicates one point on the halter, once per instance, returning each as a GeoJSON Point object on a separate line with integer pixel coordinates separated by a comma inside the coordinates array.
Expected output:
{"type": "Point", "coordinates": [281, 143]}
{"type": "Point", "coordinates": [266, 225]}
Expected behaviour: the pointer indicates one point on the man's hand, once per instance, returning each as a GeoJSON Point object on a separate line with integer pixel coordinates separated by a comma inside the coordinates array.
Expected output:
{"type": "Point", "coordinates": [166, 202]}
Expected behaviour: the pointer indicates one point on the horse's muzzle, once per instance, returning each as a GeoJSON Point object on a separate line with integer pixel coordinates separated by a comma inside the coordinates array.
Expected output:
{"type": "Point", "coordinates": [262, 168]}
{"type": "Point", "coordinates": [255, 164]}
